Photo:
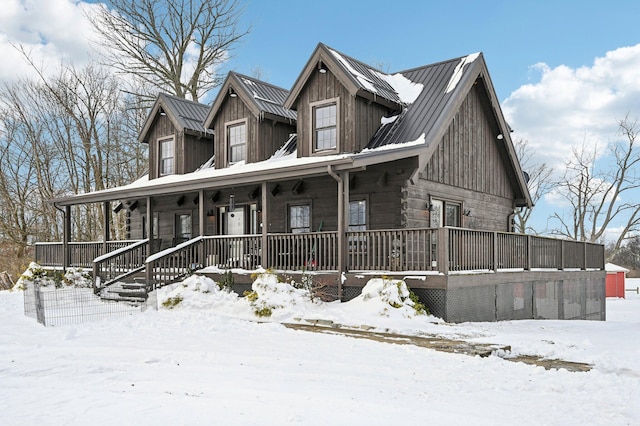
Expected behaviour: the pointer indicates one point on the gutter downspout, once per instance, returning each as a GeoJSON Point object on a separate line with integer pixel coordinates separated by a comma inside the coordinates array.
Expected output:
{"type": "Point", "coordinates": [341, 227]}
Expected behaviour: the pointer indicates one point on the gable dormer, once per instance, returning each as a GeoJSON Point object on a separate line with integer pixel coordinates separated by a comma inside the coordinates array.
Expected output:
{"type": "Point", "coordinates": [178, 142]}
{"type": "Point", "coordinates": [249, 120]}
{"type": "Point", "coordinates": [340, 102]}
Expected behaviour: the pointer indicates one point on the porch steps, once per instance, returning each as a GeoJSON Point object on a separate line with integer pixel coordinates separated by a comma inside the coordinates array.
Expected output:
{"type": "Point", "coordinates": [135, 292]}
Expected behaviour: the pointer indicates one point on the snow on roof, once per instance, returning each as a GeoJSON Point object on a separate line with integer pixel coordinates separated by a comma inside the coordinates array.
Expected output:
{"type": "Point", "coordinates": [457, 72]}
{"type": "Point", "coordinates": [407, 90]}
{"type": "Point", "coordinates": [610, 267]}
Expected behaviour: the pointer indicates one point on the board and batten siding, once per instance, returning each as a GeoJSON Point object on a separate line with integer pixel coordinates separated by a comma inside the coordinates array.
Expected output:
{"type": "Point", "coordinates": [358, 118]}
{"type": "Point", "coordinates": [162, 127]}
{"type": "Point", "coordinates": [233, 109]}
{"type": "Point", "coordinates": [467, 166]}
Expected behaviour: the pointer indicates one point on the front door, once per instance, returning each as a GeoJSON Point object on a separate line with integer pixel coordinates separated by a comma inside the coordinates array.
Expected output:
{"type": "Point", "coordinates": [235, 222]}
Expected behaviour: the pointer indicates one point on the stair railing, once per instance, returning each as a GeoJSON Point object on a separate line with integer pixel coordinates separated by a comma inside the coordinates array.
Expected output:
{"type": "Point", "coordinates": [119, 264]}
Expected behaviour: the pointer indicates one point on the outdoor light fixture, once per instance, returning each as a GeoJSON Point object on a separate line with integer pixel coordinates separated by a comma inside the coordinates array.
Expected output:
{"type": "Point", "coordinates": [321, 68]}
{"type": "Point", "coordinates": [467, 212]}
{"type": "Point", "coordinates": [162, 113]}
{"type": "Point", "coordinates": [232, 202]}
{"type": "Point", "coordinates": [500, 136]}
{"type": "Point", "coordinates": [232, 92]}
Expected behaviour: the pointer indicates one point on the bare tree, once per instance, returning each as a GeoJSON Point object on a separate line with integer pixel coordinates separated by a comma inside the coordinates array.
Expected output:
{"type": "Point", "coordinates": [539, 184]}
{"type": "Point", "coordinates": [599, 194]}
{"type": "Point", "coordinates": [172, 45]}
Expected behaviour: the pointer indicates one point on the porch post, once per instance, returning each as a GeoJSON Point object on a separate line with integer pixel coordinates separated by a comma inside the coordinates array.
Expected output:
{"type": "Point", "coordinates": [66, 237]}
{"type": "Point", "coordinates": [443, 250]}
{"type": "Point", "coordinates": [106, 231]}
{"type": "Point", "coordinates": [201, 212]}
{"type": "Point", "coordinates": [201, 226]}
{"type": "Point", "coordinates": [149, 266]}
{"type": "Point", "coordinates": [264, 253]}
{"type": "Point", "coordinates": [341, 229]}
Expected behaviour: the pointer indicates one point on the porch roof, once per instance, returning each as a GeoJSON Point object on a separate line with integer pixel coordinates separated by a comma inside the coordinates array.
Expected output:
{"type": "Point", "coordinates": [278, 168]}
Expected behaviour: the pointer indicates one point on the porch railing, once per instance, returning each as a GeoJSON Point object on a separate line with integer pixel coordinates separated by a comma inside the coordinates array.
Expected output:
{"type": "Point", "coordinates": [81, 255]}
{"type": "Point", "coordinates": [120, 263]}
{"type": "Point", "coordinates": [443, 250]}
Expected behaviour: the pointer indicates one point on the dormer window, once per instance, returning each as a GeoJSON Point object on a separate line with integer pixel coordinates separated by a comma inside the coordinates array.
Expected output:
{"type": "Point", "coordinates": [324, 117]}
{"type": "Point", "coordinates": [237, 141]}
{"type": "Point", "coordinates": [166, 157]}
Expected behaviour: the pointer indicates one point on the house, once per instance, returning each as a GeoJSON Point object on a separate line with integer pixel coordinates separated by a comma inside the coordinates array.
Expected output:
{"type": "Point", "coordinates": [352, 172]}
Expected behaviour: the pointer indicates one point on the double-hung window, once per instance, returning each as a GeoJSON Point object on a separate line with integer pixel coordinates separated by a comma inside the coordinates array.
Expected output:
{"type": "Point", "coordinates": [300, 219]}
{"type": "Point", "coordinates": [325, 126]}
{"type": "Point", "coordinates": [166, 166]}
{"type": "Point", "coordinates": [357, 222]}
{"type": "Point", "coordinates": [237, 142]}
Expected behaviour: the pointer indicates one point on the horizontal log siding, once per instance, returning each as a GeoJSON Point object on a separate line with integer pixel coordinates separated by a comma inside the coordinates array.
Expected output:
{"type": "Point", "coordinates": [487, 212]}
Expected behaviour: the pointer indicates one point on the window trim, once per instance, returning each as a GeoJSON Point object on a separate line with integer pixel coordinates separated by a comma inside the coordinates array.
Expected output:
{"type": "Point", "coordinates": [299, 204]}
{"type": "Point", "coordinates": [448, 202]}
{"type": "Point", "coordinates": [171, 139]}
{"type": "Point", "coordinates": [312, 121]}
{"type": "Point", "coordinates": [178, 213]}
{"type": "Point", "coordinates": [227, 146]}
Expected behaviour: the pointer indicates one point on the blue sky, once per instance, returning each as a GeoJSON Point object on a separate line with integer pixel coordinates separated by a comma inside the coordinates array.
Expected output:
{"type": "Point", "coordinates": [564, 71]}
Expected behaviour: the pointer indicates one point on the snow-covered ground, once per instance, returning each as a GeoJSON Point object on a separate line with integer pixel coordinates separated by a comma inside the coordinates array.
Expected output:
{"type": "Point", "coordinates": [208, 361]}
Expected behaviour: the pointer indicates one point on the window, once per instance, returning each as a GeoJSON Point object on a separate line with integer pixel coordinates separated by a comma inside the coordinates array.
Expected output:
{"type": "Point", "coordinates": [300, 219]}
{"type": "Point", "coordinates": [237, 142]}
{"type": "Point", "coordinates": [452, 214]}
{"type": "Point", "coordinates": [325, 127]}
{"type": "Point", "coordinates": [357, 222]}
{"type": "Point", "coordinates": [445, 213]}
{"type": "Point", "coordinates": [166, 157]}
{"type": "Point", "coordinates": [183, 227]}
{"type": "Point", "coordinates": [358, 215]}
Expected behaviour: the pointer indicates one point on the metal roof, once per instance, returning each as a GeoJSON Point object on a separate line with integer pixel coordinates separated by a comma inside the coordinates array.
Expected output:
{"type": "Point", "coordinates": [189, 115]}
{"type": "Point", "coordinates": [268, 98]}
{"type": "Point", "coordinates": [365, 77]}
{"type": "Point", "coordinates": [422, 115]}
{"type": "Point", "coordinates": [186, 115]}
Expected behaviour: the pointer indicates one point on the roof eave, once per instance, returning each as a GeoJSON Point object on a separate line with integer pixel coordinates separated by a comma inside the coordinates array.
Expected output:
{"type": "Point", "coordinates": [206, 182]}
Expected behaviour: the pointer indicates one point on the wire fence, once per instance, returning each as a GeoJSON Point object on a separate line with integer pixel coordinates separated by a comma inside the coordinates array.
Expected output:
{"type": "Point", "coordinates": [52, 306]}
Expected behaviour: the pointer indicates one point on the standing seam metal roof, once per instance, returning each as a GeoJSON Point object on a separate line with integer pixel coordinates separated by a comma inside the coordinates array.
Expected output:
{"type": "Point", "coordinates": [421, 116]}
{"type": "Point", "coordinates": [268, 97]}
{"type": "Point", "coordinates": [190, 115]}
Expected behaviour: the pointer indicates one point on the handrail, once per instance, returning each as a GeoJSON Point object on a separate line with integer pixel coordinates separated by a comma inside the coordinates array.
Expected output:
{"type": "Point", "coordinates": [120, 263]}
{"type": "Point", "coordinates": [444, 250]}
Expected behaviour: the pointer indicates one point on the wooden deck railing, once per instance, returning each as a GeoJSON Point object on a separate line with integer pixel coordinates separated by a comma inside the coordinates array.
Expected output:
{"type": "Point", "coordinates": [120, 263]}
{"type": "Point", "coordinates": [81, 255]}
{"type": "Point", "coordinates": [444, 250]}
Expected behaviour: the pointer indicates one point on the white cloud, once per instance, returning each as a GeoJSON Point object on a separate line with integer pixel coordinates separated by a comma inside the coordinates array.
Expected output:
{"type": "Point", "coordinates": [569, 106]}
{"type": "Point", "coordinates": [51, 30]}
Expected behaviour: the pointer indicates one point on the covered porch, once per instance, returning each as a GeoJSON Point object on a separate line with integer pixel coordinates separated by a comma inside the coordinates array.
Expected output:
{"type": "Point", "coordinates": [460, 274]}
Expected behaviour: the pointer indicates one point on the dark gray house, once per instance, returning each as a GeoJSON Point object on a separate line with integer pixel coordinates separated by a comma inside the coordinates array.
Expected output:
{"type": "Point", "coordinates": [352, 172]}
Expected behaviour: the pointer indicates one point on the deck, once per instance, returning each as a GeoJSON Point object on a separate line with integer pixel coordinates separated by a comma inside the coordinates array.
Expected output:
{"type": "Point", "coordinates": [461, 274]}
